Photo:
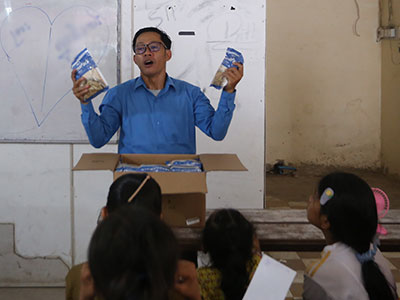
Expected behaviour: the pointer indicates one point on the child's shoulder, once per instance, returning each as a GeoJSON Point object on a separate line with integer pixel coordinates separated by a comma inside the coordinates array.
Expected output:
{"type": "Point", "coordinates": [336, 258]}
{"type": "Point", "coordinates": [320, 264]}
{"type": "Point", "coordinates": [337, 273]}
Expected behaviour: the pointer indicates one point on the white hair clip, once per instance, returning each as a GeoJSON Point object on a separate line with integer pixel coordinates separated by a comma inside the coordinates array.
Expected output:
{"type": "Point", "coordinates": [326, 196]}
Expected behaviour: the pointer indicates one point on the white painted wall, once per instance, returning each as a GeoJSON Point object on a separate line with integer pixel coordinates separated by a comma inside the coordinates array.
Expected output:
{"type": "Point", "coordinates": [90, 194]}
{"type": "Point", "coordinates": [35, 185]}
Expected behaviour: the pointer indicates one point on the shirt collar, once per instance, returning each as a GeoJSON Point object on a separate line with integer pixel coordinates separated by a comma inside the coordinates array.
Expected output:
{"type": "Point", "coordinates": [139, 82]}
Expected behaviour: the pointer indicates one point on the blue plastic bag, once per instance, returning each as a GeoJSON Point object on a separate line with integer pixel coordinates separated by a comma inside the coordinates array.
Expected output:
{"type": "Point", "coordinates": [184, 163]}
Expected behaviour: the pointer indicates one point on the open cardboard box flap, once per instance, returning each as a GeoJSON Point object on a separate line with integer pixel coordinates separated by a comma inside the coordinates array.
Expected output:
{"type": "Point", "coordinates": [170, 182]}
{"type": "Point", "coordinates": [221, 162]}
{"type": "Point", "coordinates": [97, 161]}
{"type": "Point", "coordinates": [109, 161]}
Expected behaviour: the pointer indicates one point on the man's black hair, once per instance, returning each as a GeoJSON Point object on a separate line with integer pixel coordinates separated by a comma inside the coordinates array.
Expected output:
{"type": "Point", "coordinates": [163, 35]}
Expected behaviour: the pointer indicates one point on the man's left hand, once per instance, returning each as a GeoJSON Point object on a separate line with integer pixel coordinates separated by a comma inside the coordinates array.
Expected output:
{"type": "Point", "coordinates": [233, 75]}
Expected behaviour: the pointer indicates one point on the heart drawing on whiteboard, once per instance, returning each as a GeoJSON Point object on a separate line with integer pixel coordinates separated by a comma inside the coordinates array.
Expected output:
{"type": "Point", "coordinates": [40, 51]}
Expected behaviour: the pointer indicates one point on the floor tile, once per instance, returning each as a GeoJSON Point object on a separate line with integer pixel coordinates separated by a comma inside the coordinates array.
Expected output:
{"type": "Point", "coordinates": [309, 254]}
{"type": "Point", "coordinates": [394, 263]}
{"type": "Point", "coordinates": [296, 289]}
{"type": "Point", "coordinates": [299, 278]}
{"type": "Point", "coordinates": [283, 255]}
{"type": "Point", "coordinates": [32, 293]}
{"type": "Point", "coordinates": [396, 275]}
{"type": "Point", "coordinates": [309, 262]}
{"type": "Point", "coordinates": [295, 264]}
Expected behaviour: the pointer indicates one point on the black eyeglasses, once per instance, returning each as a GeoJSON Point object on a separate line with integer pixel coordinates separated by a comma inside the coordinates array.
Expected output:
{"type": "Point", "coordinates": [153, 47]}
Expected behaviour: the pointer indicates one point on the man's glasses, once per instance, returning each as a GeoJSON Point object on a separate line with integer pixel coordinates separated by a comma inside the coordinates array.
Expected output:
{"type": "Point", "coordinates": [153, 47]}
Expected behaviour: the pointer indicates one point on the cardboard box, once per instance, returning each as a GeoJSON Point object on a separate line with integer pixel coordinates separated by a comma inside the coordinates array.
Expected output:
{"type": "Point", "coordinates": [183, 193]}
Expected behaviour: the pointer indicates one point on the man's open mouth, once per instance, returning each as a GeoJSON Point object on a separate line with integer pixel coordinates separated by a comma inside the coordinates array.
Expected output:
{"type": "Point", "coordinates": [148, 62]}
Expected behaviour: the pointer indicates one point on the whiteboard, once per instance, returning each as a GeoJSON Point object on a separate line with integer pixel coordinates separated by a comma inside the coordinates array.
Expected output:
{"type": "Point", "coordinates": [38, 41]}
{"type": "Point", "coordinates": [201, 30]}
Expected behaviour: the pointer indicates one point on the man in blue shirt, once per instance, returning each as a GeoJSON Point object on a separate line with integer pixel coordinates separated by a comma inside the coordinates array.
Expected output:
{"type": "Point", "coordinates": [156, 113]}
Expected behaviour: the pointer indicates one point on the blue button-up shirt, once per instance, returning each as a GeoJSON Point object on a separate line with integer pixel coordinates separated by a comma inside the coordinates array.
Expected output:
{"type": "Point", "coordinates": [157, 124]}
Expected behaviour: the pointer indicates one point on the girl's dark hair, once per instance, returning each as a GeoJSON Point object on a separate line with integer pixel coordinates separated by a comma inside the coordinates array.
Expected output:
{"type": "Point", "coordinates": [353, 221]}
{"type": "Point", "coordinates": [133, 255]}
{"type": "Point", "coordinates": [123, 187]}
{"type": "Point", "coordinates": [163, 36]}
{"type": "Point", "coordinates": [228, 238]}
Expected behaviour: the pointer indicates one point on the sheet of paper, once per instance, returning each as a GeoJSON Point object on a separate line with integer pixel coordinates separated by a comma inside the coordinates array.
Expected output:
{"type": "Point", "coordinates": [271, 281]}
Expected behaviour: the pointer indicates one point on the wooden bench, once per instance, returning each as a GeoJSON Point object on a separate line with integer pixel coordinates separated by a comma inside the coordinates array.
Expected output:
{"type": "Point", "coordinates": [289, 230]}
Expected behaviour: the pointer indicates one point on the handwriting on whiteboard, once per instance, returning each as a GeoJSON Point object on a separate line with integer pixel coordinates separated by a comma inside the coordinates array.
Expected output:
{"type": "Point", "coordinates": [40, 50]}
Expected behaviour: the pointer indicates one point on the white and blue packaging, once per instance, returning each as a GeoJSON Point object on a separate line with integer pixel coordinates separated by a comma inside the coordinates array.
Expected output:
{"type": "Point", "coordinates": [231, 56]}
{"type": "Point", "coordinates": [87, 68]}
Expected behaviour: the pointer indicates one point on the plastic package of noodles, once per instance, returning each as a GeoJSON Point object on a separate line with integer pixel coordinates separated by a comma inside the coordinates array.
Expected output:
{"type": "Point", "coordinates": [231, 56]}
{"type": "Point", "coordinates": [87, 68]}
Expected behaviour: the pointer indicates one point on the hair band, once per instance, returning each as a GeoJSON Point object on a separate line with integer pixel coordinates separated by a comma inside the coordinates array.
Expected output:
{"type": "Point", "coordinates": [138, 189]}
{"type": "Point", "coordinates": [326, 196]}
{"type": "Point", "coordinates": [370, 254]}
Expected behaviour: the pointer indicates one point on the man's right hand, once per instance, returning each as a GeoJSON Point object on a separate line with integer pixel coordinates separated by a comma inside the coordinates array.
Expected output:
{"type": "Point", "coordinates": [79, 88]}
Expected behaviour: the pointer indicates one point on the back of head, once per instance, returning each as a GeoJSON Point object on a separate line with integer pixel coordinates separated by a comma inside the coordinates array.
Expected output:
{"type": "Point", "coordinates": [163, 36]}
{"type": "Point", "coordinates": [121, 190]}
{"type": "Point", "coordinates": [228, 238]}
{"type": "Point", "coordinates": [353, 220]}
{"type": "Point", "coordinates": [352, 210]}
{"type": "Point", "coordinates": [133, 255]}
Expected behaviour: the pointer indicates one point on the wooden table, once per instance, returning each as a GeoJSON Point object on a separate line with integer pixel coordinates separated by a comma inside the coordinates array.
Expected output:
{"type": "Point", "coordinates": [289, 230]}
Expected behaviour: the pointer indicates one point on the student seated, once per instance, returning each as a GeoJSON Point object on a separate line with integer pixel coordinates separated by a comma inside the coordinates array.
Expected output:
{"type": "Point", "coordinates": [132, 256]}
{"type": "Point", "coordinates": [147, 194]}
{"type": "Point", "coordinates": [351, 267]}
{"type": "Point", "coordinates": [230, 241]}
